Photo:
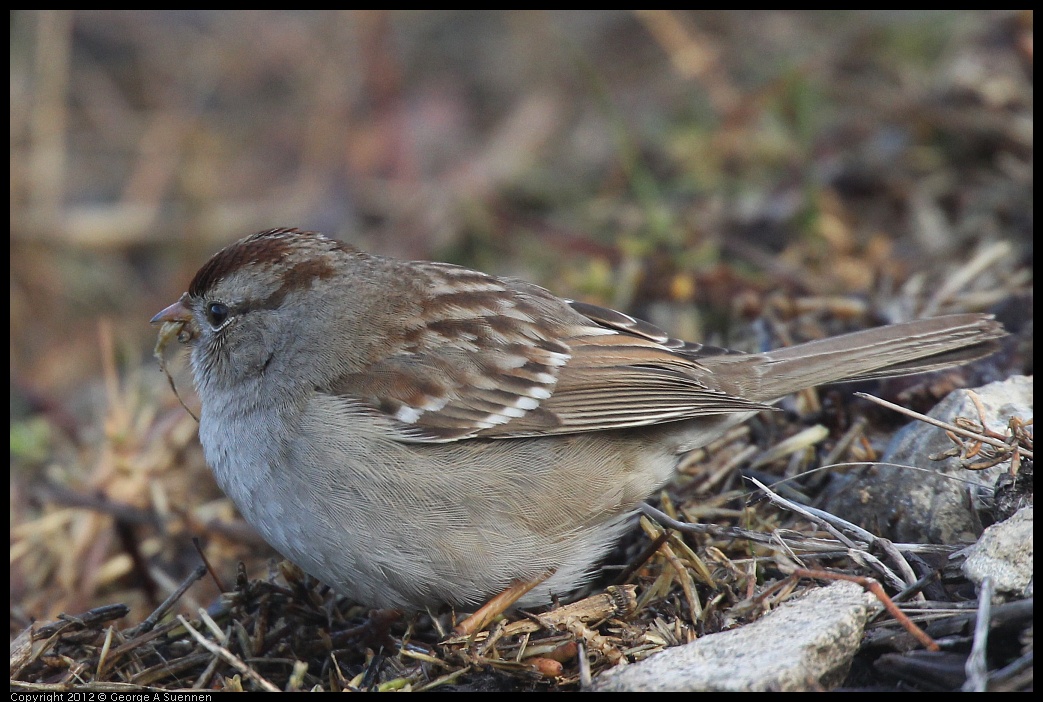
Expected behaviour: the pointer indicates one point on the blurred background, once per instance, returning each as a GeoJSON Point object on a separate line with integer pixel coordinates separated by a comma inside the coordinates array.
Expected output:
{"type": "Point", "coordinates": [702, 170]}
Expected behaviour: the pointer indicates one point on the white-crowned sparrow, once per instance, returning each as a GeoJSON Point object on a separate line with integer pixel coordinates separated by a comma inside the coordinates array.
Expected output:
{"type": "Point", "coordinates": [416, 434]}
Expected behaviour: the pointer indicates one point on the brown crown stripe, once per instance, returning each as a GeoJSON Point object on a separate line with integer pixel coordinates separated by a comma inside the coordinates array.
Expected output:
{"type": "Point", "coordinates": [269, 247]}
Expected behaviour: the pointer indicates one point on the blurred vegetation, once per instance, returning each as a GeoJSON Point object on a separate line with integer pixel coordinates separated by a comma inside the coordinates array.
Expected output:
{"type": "Point", "coordinates": [699, 169]}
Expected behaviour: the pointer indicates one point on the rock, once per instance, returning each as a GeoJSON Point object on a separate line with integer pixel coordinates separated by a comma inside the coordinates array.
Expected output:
{"type": "Point", "coordinates": [806, 643]}
{"type": "Point", "coordinates": [923, 501]}
{"type": "Point", "coordinates": [1004, 553]}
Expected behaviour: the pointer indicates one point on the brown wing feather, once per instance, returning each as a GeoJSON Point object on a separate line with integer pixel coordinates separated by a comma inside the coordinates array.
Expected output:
{"type": "Point", "coordinates": [500, 358]}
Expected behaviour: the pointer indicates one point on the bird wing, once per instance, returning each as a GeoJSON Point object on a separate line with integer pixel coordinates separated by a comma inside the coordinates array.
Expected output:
{"type": "Point", "coordinates": [501, 358]}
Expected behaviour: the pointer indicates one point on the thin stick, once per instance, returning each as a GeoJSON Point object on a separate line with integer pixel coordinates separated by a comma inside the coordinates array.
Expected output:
{"type": "Point", "coordinates": [941, 425]}
{"type": "Point", "coordinates": [874, 587]}
{"type": "Point", "coordinates": [976, 666]}
{"type": "Point", "coordinates": [228, 656]}
{"type": "Point", "coordinates": [153, 619]}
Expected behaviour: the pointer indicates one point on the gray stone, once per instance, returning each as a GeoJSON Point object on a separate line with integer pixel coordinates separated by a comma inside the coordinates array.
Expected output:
{"type": "Point", "coordinates": [918, 500]}
{"type": "Point", "coordinates": [1004, 553]}
{"type": "Point", "coordinates": [806, 643]}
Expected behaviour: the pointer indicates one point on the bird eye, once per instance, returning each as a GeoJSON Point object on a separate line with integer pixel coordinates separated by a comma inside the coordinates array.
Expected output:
{"type": "Point", "coordinates": [216, 314]}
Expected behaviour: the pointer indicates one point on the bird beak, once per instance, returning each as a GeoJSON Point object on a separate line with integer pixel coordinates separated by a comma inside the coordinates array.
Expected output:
{"type": "Point", "coordinates": [176, 313]}
{"type": "Point", "coordinates": [176, 319]}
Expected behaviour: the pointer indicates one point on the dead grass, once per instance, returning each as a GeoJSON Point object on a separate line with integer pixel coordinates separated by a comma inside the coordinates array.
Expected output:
{"type": "Point", "coordinates": [744, 179]}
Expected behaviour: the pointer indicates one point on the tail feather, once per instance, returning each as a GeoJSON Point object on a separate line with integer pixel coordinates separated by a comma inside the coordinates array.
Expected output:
{"type": "Point", "coordinates": [898, 349]}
